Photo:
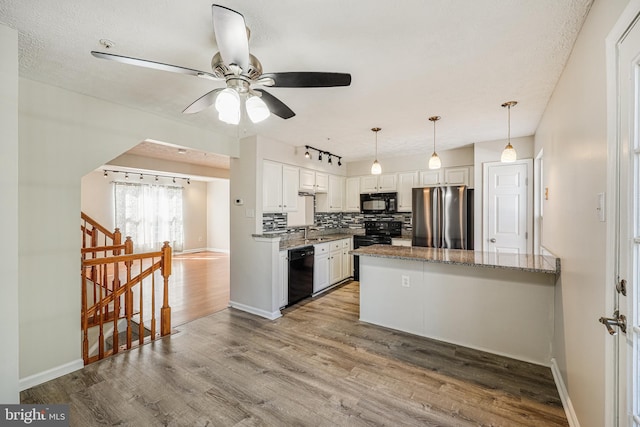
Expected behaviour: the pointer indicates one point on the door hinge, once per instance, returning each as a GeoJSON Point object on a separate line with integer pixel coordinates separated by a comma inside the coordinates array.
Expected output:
{"type": "Point", "coordinates": [526, 181]}
{"type": "Point", "coordinates": [621, 287]}
{"type": "Point", "coordinates": [526, 234]}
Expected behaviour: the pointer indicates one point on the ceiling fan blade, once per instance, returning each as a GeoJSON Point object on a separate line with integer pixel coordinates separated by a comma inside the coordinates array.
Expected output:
{"type": "Point", "coordinates": [154, 65]}
{"type": "Point", "coordinates": [308, 79]}
{"type": "Point", "coordinates": [231, 36]}
{"type": "Point", "coordinates": [276, 106]}
{"type": "Point", "coordinates": [203, 102]}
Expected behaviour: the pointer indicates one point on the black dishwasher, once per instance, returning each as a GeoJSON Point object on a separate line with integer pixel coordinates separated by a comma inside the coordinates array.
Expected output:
{"type": "Point", "coordinates": [300, 273]}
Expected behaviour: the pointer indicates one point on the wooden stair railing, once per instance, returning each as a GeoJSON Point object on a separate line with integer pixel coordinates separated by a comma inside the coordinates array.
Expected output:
{"type": "Point", "coordinates": [103, 271]}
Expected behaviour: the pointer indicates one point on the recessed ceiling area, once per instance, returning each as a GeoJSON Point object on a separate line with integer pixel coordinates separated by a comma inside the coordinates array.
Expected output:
{"type": "Point", "coordinates": [456, 59]}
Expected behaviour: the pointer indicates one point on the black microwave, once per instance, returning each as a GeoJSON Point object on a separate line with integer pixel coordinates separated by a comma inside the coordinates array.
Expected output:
{"type": "Point", "coordinates": [375, 203]}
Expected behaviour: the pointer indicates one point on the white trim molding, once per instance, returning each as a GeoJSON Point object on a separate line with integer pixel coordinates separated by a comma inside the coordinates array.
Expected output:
{"type": "Point", "coordinates": [50, 374]}
{"type": "Point", "coordinates": [257, 311]}
{"type": "Point", "coordinates": [564, 395]}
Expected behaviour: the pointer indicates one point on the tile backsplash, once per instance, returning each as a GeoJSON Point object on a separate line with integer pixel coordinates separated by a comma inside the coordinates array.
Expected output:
{"type": "Point", "coordinates": [277, 222]}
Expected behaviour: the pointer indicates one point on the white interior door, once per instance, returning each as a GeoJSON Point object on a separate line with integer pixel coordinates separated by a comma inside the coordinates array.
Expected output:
{"type": "Point", "coordinates": [624, 254]}
{"type": "Point", "coordinates": [508, 222]}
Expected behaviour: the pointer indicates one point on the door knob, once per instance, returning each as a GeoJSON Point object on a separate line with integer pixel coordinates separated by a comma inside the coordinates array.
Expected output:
{"type": "Point", "coordinates": [492, 240]}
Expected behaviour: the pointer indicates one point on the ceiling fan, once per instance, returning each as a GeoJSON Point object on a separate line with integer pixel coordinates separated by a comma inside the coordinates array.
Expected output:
{"type": "Point", "coordinates": [241, 71]}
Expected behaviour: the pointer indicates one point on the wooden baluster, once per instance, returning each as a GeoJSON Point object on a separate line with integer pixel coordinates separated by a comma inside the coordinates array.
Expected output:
{"type": "Point", "coordinates": [85, 323]}
{"type": "Point", "coordinates": [165, 311]}
{"type": "Point", "coordinates": [128, 304]}
{"type": "Point", "coordinates": [101, 323]}
{"type": "Point", "coordinates": [141, 323]}
{"type": "Point", "coordinates": [153, 302]}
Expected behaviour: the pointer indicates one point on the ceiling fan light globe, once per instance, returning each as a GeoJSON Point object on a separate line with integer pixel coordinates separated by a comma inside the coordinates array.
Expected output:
{"type": "Point", "coordinates": [434, 161]}
{"type": "Point", "coordinates": [230, 117]}
{"type": "Point", "coordinates": [228, 101]}
{"type": "Point", "coordinates": [257, 109]}
{"type": "Point", "coordinates": [508, 154]}
{"type": "Point", "coordinates": [376, 169]}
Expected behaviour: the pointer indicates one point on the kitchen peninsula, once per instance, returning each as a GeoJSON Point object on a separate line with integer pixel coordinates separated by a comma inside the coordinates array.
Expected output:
{"type": "Point", "coordinates": [500, 303]}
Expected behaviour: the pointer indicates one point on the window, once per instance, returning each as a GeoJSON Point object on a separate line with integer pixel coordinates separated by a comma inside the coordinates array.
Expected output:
{"type": "Point", "coordinates": [150, 214]}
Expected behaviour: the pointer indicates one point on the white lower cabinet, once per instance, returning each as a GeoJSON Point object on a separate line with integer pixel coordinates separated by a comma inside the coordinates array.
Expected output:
{"type": "Point", "coordinates": [347, 259]}
{"type": "Point", "coordinates": [335, 262]}
{"type": "Point", "coordinates": [320, 267]}
{"type": "Point", "coordinates": [332, 263]}
{"type": "Point", "coordinates": [284, 278]}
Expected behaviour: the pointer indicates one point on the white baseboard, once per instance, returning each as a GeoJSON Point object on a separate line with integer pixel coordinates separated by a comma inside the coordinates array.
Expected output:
{"type": "Point", "coordinates": [50, 374]}
{"type": "Point", "coordinates": [564, 395]}
{"type": "Point", "coordinates": [257, 311]}
{"type": "Point", "coordinates": [225, 251]}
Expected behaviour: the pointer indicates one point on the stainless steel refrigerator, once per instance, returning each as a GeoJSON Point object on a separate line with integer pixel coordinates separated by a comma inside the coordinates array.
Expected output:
{"type": "Point", "coordinates": [443, 217]}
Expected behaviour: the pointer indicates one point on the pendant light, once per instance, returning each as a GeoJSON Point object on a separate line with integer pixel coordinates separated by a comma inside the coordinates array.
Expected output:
{"type": "Point", "coordinates": [434, 161]}
{"type": "Point", "coordinates": [376, 169]}
{"type": "Point", "coordinates": [509, 153]}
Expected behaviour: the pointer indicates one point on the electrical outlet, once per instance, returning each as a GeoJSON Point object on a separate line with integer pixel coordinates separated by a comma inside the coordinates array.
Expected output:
{"type": "Point", "coordinates": [405, 281]}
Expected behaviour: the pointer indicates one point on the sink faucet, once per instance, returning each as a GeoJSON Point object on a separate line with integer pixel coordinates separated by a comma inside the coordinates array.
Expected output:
{"type": "Point", "coordinates": [306, 232]}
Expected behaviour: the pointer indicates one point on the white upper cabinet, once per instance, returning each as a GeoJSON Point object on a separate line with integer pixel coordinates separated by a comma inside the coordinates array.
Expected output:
{"type": "Point", "coordinates": [280, 185]}
{"type": "Point", "coordinates": [431, 178]}
{"type": "Point", "coordinates": [307, 180]}
{"type": "Point", "coordinates": [406, 182]}
{"type": "Point", "coordinates": [378, 183]}
{"type": "Point", "coordinates": [314, 182]}
{"type": "Point", "coordinates": [336, 193]}
{"type": "Point", "coordinates": [322, 182]}
{"type": "Point", "coordinates": [459, 175]}
{"type": "Point", "coordinates": [352, 196]}
{"type": "Point", "coordinates": [333, 199]}
{"type": "Point", "coordinates": [290, 176]}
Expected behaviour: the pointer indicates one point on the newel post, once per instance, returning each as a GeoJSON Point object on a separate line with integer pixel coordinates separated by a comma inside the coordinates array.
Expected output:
{"type": "Point", "coordinates": [128, 246]}
{"type": "Point", "coordinates": [117, 240]}
{"type": "Point", "coordinates": [165, 312]}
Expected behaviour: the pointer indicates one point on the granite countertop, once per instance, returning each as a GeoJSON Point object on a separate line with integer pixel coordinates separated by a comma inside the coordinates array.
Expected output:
{"type": "Point", "coordinates": [313, 240]}
{"type": "Point", "coordinates": [530, 263]}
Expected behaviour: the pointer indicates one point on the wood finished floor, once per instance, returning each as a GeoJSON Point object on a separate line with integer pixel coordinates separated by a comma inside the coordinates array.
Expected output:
{"type": "Point", "coordinates": [316, 366]}
{"type": "Point", "coordinates": [199, 286]}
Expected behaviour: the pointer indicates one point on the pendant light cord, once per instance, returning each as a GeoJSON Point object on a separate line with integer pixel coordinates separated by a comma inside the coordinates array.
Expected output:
{"type": "Point", "coordinates": [434, 136]}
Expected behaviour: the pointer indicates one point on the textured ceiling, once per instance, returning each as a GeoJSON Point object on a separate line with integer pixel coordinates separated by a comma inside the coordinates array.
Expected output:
{"type": "Point", "coordinates": [409, 60]}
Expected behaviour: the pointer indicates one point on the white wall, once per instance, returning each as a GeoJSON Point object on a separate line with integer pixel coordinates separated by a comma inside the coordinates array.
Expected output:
{"type": "Point", "coordinates": [9, 218]}
{"type": "Point", "coordinates": [218, 230]}
{"type": "Point", "coordinates": [572, 133]}
{"type": "Point", "coordinates": [62, 137]}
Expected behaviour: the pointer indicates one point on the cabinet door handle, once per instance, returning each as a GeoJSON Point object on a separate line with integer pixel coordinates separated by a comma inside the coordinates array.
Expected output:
{"type": "Point", "coordinates": [492, 240]}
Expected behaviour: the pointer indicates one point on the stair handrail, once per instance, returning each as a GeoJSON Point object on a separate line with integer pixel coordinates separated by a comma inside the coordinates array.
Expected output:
{"type": "Point", "coordinates": [126, 291]}
{"type": "Point", "coordinates": [102, 259]}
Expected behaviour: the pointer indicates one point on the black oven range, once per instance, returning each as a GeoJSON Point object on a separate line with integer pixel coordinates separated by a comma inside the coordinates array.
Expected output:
{"type": "Point", "coordinates": [376, 233]}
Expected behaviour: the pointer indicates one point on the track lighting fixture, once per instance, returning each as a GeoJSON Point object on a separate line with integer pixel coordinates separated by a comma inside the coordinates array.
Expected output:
{"type": "Point", "coordinates": [106, 173]}
{"type": "Point", "coordinates": [329, 155]}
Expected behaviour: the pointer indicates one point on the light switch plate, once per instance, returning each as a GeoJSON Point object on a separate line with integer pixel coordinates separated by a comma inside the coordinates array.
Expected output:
{"type": "Point", "coordinates": [405, 281]}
